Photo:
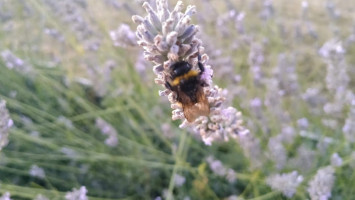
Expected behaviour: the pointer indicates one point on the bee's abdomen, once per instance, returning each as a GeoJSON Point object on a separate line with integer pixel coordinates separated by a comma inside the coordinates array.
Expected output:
{"type": "Point", "coordinates": [190, 87]}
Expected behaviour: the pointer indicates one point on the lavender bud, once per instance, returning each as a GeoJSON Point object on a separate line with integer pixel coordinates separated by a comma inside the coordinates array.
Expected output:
{"type": "Point", "coordinates": [191, 30]}
{"type": "Point", "coordinates": [158, 69]}
{"type": "Point", "coordinates": [153, 18]}
{"type": "Point", "coordinates": [137, 19]}
{"type": "Point", "coordinates": [168, 26]}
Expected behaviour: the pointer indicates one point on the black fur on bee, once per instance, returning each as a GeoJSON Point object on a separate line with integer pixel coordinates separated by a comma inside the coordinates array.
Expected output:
{"type": "Point", "coordinates": [188, 86]}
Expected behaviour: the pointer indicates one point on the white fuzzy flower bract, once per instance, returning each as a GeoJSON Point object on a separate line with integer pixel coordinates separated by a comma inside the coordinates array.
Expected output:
{"type": "Point", "coordinates": [320, 187]}
{"type": "Point", "coordinates": [286, 183]}
{"type": "Point", "coordinates": [167, 36]}
{"type": "Point", "coordinates": [5, 124]}
{"type": "Point", "coordinates": [77, 194]}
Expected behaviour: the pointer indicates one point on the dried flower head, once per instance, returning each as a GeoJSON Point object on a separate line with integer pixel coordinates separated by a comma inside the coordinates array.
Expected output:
{"type": "Point", "coordinates": [168, 37]}
{"type": "Point", "coordinates": [5, 124]}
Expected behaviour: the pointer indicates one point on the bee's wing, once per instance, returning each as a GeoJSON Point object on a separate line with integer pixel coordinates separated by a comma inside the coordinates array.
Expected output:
{"type": "Point", "coordinates": [201, 108]}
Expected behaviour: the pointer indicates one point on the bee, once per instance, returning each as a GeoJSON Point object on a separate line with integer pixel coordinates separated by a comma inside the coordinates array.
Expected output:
{"type": "Point", "coordinates": [188, 85]}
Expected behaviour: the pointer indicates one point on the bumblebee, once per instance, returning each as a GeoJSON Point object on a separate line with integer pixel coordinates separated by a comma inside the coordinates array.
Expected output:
{"type": "Point", "coordinates": [188, 85]}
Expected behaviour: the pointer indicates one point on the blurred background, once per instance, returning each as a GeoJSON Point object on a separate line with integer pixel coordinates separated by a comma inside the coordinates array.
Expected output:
{"type": "Point", "coordinates": [86, 112]}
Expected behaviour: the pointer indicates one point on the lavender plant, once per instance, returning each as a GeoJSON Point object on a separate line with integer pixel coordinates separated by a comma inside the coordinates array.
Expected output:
{"type": "Point", "coordinates": [168, 37]}
{"type": "Point", "coordinates": [5, 124]}
{"type": "Point", "coordinates": [83, 111]}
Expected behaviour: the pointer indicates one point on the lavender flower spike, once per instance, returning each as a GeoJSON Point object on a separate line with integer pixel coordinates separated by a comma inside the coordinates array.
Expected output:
{"type": "Point", "coordinates": [285, 183]}
{"type": "Point", "coordinates": [168, 37]}
{"type": "Point", "coordinates": [320, 187]}
{"type": "Point", "coordinates": [77, 194]}
{"type": "Point", "coordinates": [5, 124]}
{"type": "Point", "coordinates": [123, 36]}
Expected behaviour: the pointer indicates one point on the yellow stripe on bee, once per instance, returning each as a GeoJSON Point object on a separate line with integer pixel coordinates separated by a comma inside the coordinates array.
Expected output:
{"type": "Point", "coordinates": [189, 74]}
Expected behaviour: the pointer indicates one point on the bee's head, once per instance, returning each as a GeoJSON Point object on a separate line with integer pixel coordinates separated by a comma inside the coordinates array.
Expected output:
{"type": "Point", "coordinates": [180, 68]}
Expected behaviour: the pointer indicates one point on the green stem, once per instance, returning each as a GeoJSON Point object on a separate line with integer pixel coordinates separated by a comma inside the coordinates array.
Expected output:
{"type": "Point", "coordinates": [176, 166]}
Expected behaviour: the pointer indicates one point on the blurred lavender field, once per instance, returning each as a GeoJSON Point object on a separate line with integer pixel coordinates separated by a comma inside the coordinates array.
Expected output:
{"type": "Point", "coordinates": [81, 116]}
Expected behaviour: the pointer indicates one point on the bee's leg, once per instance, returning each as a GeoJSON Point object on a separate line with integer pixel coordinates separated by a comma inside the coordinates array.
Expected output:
{"type": "Point", "coordinates": [203, 84]}
{"type": "Point", "coordinates": [168, 86]}
{"type": "Point", "coordinates": [200, 65]}
{"type": "Point", "coordinates": [202, 68]}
